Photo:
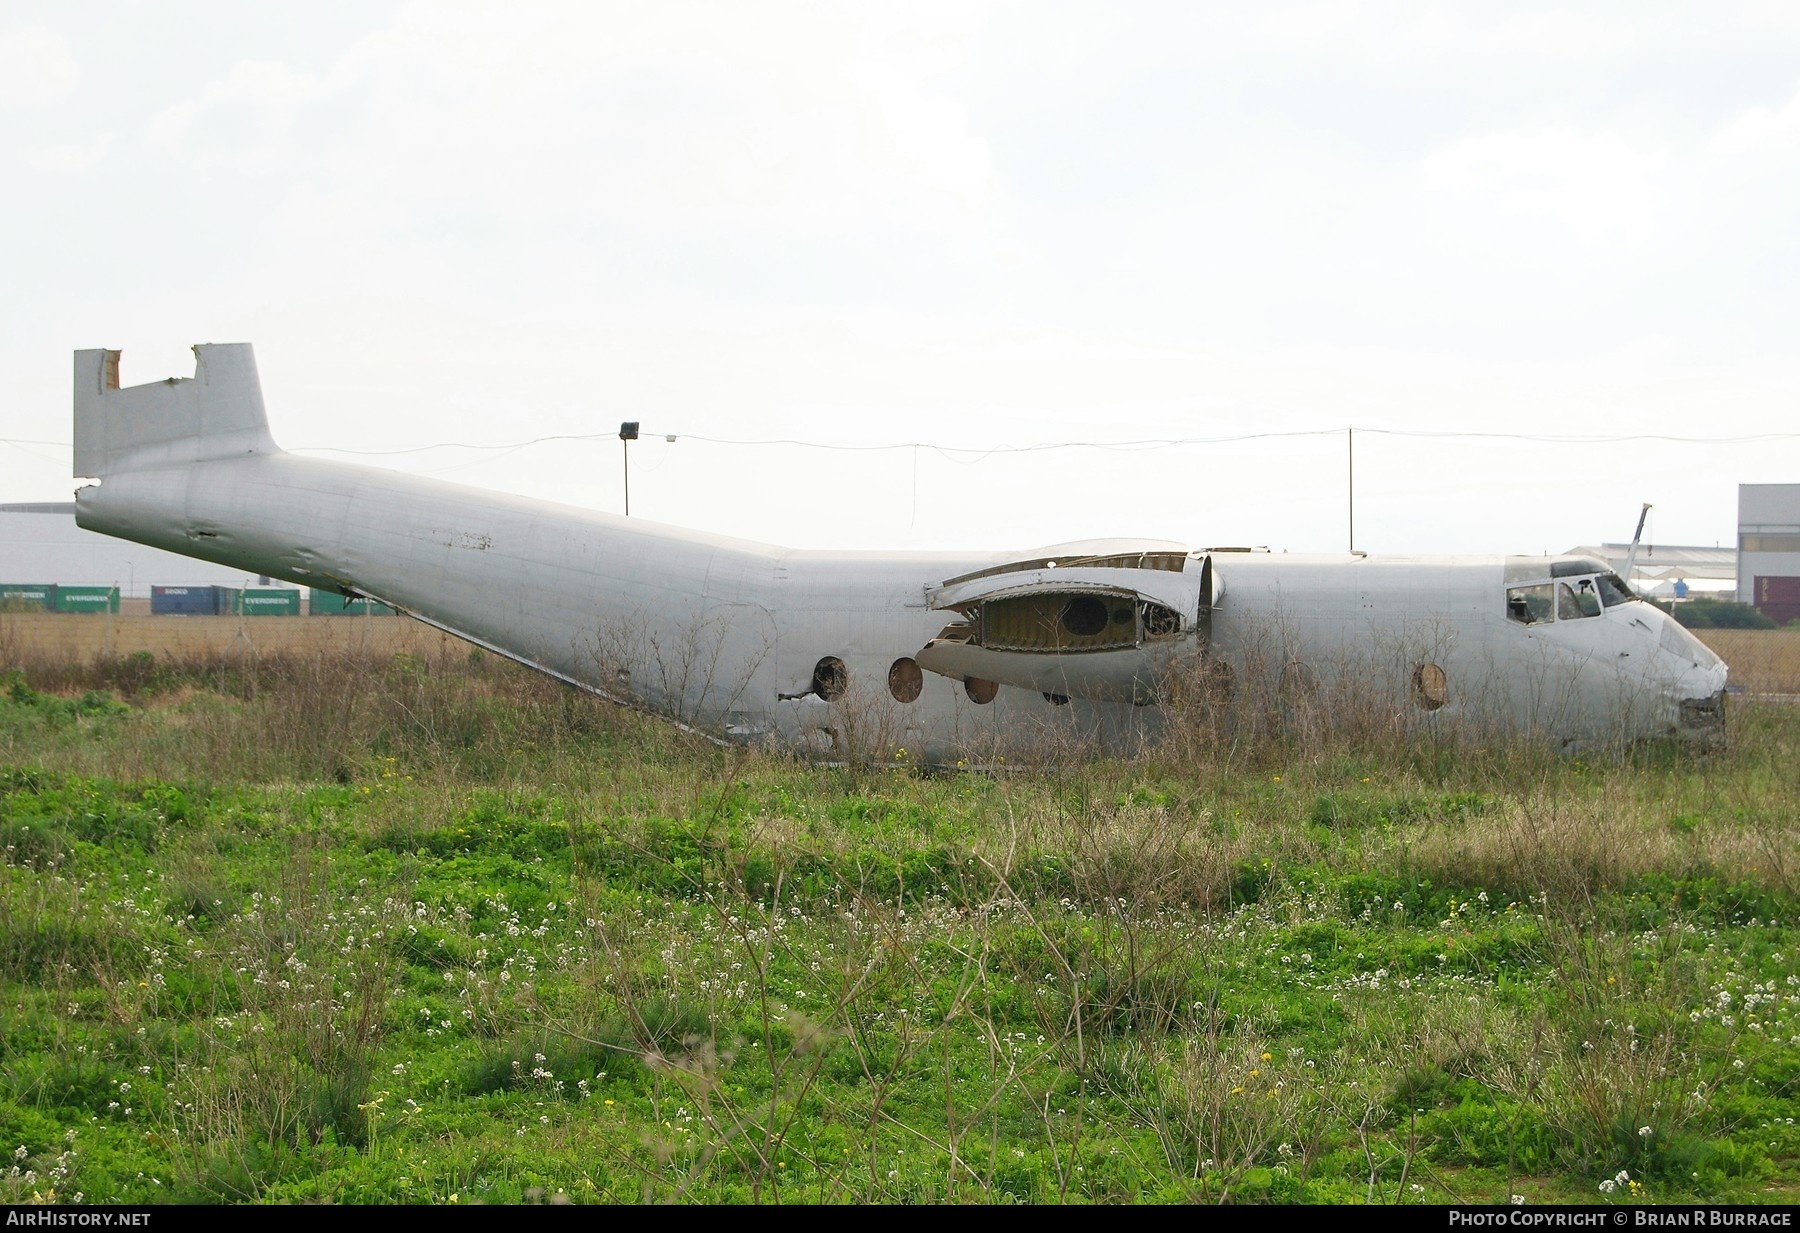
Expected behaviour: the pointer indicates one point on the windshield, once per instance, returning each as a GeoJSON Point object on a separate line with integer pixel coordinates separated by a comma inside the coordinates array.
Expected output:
{"type": "Point", "coordinates": [1613, 590]}
{"type": "Point", "coordinates": [1567, 599]}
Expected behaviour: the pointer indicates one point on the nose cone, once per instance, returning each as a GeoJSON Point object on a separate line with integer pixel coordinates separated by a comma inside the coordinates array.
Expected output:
{"type": "Point", "coordinates": [1703, 718]}
{"type": "Point", "coordinates": [1698, 677]}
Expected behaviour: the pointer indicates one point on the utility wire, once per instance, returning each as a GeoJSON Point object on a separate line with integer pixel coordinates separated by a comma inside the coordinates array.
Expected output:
{"type": "Point", "coordinates": [1042, 446]}
{"type": "Point", "coordinates": [1140, 444]}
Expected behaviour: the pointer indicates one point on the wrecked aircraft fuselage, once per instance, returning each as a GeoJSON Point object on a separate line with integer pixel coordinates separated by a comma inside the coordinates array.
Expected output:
{"type": "Point", "coordinates": [865, 654]}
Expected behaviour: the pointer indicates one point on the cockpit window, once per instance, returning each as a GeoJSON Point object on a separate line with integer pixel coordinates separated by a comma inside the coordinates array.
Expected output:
{"type": "Point", "coordinates": [1613, 590]}
{"type": "Point", "coordinates": [1529, 605]}
{"type": "Point", "coordinates": [1587, 597]}
{"type": "Point", "coordinates": [1577, 601]}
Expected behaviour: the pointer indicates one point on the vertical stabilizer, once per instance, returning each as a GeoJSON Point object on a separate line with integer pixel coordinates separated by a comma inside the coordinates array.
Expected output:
{"type": "Point", "coordinates": [216, 413]}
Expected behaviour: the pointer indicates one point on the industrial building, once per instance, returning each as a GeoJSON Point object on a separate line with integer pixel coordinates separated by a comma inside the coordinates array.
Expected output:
{"type": "Point", "coordinates": [144, 600]}
{"type": "Point", "coordinates": [40, 543]}
{"type": "Point", "coordinates": [49, 563]}
{"type": "Point", "coordinates": [1663, 571]}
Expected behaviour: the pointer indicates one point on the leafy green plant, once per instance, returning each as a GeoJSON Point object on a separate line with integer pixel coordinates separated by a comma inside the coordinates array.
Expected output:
{"type": "Point", "coordinates": [437, 932]}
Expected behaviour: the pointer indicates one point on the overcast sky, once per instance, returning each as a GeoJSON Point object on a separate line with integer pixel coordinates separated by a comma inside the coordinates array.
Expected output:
{"type": "Point", "coordinates": [1183, 249]}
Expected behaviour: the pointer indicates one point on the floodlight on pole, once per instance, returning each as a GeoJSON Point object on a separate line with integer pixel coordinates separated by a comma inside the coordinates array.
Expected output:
{"type": "Point", "coordinates": [628, 432]}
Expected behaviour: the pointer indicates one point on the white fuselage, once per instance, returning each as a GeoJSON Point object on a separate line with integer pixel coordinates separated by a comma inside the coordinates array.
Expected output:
{"type": "Point", "coordinates": [712, 631]}
{"type": "Point", "coordinates": [930, 656]}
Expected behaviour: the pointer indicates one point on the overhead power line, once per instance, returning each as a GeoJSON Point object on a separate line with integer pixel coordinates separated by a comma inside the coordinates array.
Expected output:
{"type": "Point", "coordinates": [1146, 443]}
{"type": "Point", "coordinates": [1138, 444]}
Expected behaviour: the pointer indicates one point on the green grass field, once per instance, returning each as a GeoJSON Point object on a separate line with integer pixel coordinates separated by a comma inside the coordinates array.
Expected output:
{"type": "Point", "coordinates": [387, 930]}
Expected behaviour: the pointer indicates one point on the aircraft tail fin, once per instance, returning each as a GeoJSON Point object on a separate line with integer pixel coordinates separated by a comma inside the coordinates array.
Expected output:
{"type": "Point", "coordinates": [216, 413]}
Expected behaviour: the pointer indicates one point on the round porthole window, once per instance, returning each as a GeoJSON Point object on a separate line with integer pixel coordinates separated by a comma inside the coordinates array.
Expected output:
{"type": "Point", "coordinates": [1299, 683]}
{"type": "Point", "coordinates": [980, 692]}
{"type": "Point", "coordinates": [905, 680]}
{"type": "Point", "coordinates": [1430, 687]}
{"type": "Point", "coordinates": [830, 679]}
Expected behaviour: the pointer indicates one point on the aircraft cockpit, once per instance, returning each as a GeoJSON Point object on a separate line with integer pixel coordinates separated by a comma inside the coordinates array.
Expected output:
{"type": "Point", "coordinates": [1561, 589]}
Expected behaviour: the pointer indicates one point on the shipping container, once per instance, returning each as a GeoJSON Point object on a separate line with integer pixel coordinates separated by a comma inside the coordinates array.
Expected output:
{"type": "Point", "coordinates": [1777, 590]}
{"type": "Point", "coordinates": [28, 596]}
{"type": "Point", "coordinates": [269, 601]}
{"type": "Point", "coordinates": [191, 601]}
{"type": "Point", "coordinates": [333, 603]}
{"type": "Point", "coordinates": [1777, 597]}
{"type": "Point", "coordinates": [87, 599]}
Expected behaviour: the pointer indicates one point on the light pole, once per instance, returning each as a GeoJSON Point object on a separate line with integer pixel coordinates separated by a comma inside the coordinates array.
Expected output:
{"type": "Point", "coordinates": [628, 432]}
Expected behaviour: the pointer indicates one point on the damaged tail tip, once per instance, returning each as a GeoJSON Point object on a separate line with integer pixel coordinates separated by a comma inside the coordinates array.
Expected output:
{"type": "Point", "coordinates": [97, 368]}
{"type": "Point", "coordinates": [218, 413]}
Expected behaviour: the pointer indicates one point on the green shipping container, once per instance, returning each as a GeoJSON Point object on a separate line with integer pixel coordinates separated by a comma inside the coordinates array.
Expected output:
{"type": "Point", "coordinates": [87, 599]}
{"type": "Point", "coordinates": [270, 601]}
{"type": "Point", "coordinates": [28, 597]}
{"type": "Point", "coordinates": [330, 603]}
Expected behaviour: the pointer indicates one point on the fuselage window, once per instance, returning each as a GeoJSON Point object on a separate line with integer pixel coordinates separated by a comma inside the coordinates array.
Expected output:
{"type": "Point", "coordinates": [1299, 683]}
{"type": "Point", "coordinates": [905, 680]}
{"type": "Point", "coordinates": [1430, 687]}
{"type": "Point", "coordinates": [830, 679]}
{"type": "Point", "coordinates": [1529, 605]}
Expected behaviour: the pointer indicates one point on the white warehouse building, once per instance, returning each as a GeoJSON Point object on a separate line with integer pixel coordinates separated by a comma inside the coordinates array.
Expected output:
{"type": "Point", "coordinates": [40, 543]}
{"type": "Point", "coordinates": [1769, 549]}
